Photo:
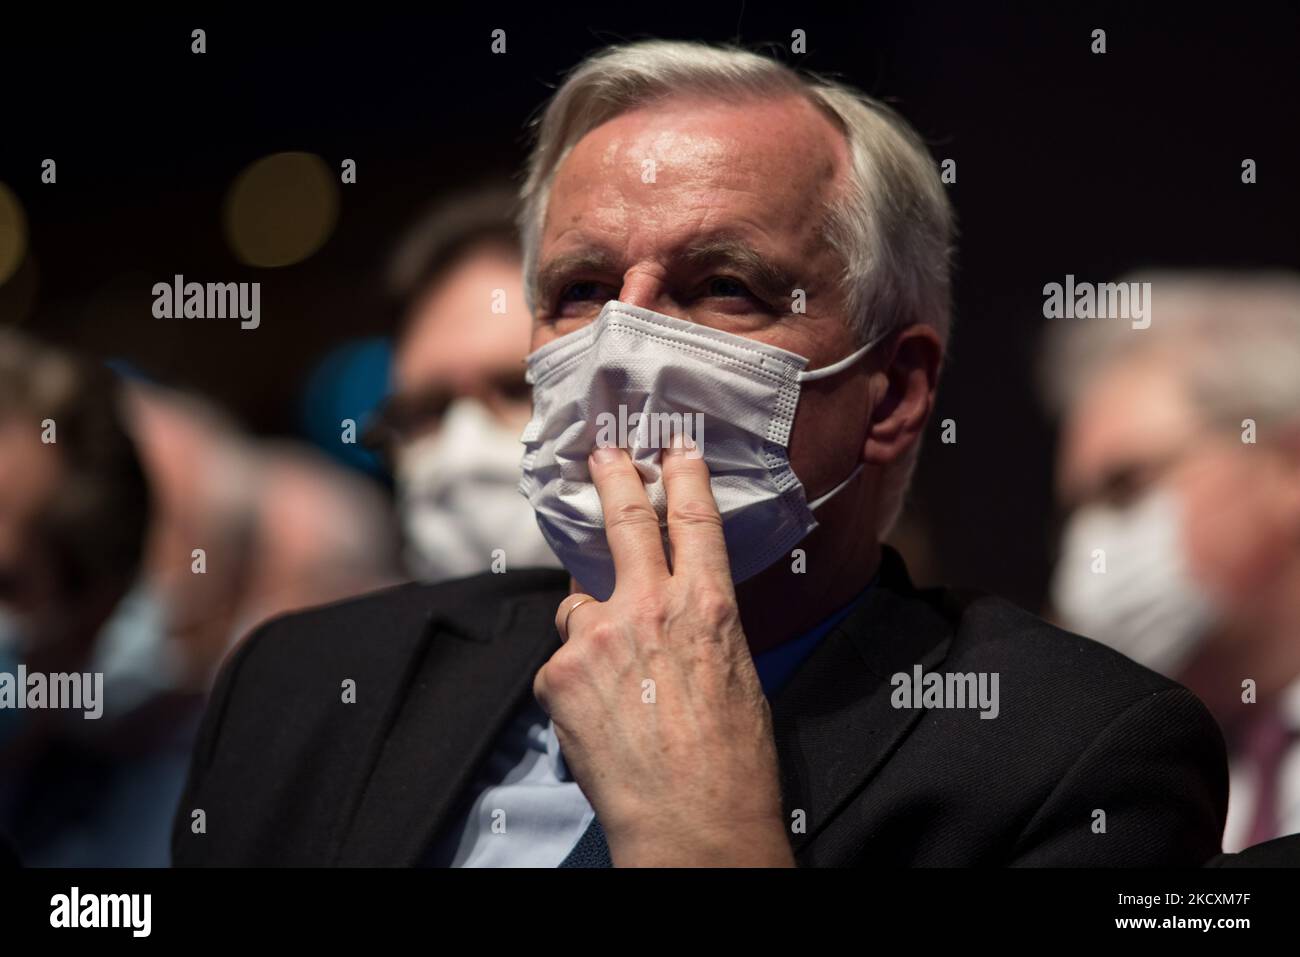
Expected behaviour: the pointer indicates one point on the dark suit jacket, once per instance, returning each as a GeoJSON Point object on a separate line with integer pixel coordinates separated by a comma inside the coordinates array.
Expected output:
{"type": "Point", "coordinates": [286, 773]}
{"type": "Point", "coordinates": [1279, 852]}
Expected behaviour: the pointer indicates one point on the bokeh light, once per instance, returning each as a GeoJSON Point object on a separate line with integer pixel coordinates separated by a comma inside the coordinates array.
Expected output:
{"type": "Point", "coordinates": [13, 233]}
{"type": "Point", "coordinates": [281, 209]}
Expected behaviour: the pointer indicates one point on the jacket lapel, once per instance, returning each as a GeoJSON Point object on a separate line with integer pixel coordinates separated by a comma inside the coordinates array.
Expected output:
{"type": "Point", "coordinates": [834, 724]}
{"type": "Point", "coordinates": [466, 679]}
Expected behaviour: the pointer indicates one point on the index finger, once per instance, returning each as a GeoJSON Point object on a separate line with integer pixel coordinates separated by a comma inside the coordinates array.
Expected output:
{"type": "Point", "coordinates": [631, 523]}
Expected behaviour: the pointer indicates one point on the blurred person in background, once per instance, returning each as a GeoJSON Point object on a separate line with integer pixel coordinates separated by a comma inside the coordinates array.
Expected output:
{"type": "Point", "coordinates": [1179, 467]}
{"type": "Point", "coordinates": [74, 517]}
{"type": "Point", "coordinates": [201, 469]}
{"type": "Point", "coordinates": [321, 533]}
{"type": "Point", "coordinates": [451, 428]}
{"type": "Point", "coordinates": [99, 573]}
{"type": "Point", "coordinates": [281, 527]}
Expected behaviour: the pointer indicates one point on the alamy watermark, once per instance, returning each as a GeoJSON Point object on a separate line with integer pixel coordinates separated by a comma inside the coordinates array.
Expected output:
{"type": "Point", "coordinates": [651, 430]}
{"type": "Point", "coordinates": [74, 909]}
{"type": "Point", "coordinates": [73, 691]}
{"type": "Point", "coordinates": [945, 690]}
{"type": "Point", "coordinates": [1107, 300]}
{"type": "Point", "coordinates": [179, 299]}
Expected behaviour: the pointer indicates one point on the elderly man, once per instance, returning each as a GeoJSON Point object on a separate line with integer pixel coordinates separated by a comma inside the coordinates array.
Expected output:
{"type": "Point", "coordinates": [1180, 463]}
{"type": "Point", "coordinates": [728, 680]}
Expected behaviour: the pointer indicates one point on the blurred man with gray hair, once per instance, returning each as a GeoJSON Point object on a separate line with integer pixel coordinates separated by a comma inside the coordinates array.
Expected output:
{"type": "Point", "coordinates": [735, 671]}
{"type": "Point", "coordinates": [1179, 466]}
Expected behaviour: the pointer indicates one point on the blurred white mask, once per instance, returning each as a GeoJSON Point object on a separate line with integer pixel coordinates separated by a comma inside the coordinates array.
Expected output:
{"type": "Point", "coordinates": [458, 498]}
{"type": "Point", "coordinates": [1146, 603]}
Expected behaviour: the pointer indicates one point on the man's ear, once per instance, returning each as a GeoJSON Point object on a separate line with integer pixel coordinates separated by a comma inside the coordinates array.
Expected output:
{"type": "Point", "coordinates": [903, 395]}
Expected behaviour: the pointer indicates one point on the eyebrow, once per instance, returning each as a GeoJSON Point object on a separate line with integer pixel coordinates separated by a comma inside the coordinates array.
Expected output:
{"type": "Point", "coordinates": [773, 280]}
{"type": "Point", "coordinates": [561, 267]}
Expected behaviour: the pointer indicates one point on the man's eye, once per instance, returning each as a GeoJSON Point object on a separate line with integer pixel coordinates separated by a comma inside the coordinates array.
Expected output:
{"type": "Point", "coordinates": [726, 288]}
{"type": "Point", "coordinates": [583, 291]}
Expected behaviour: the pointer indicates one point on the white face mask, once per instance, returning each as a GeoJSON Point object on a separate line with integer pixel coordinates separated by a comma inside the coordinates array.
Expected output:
{"type": "Point", "coordinates": [134, 653]}
{"type": "Point", "coordinates": [458, 498]}
{"type": "Point", "coordinates": [735, 397]}
{"type": "Point", "coordinates": [1145, 604]}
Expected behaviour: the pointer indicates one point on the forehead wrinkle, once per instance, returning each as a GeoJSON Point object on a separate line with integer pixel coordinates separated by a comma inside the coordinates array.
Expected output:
{"type": "Point", "coordinates": [795, 195]}
{"type": "Point", "coordinates": [704, 145]}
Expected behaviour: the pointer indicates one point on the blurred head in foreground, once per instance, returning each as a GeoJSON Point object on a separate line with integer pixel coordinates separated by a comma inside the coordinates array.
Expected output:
{"type": "Point", "coordinates": [74, 503]}
{"type": "Point", "coordinates": [245, 529]}
{"type": "Point", "coordinates": [451, 429]}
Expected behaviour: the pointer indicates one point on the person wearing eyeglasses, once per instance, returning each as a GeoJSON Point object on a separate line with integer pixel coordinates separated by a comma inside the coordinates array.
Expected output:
{"type": "Point", "coordinates": [450, 430]}
{"type": "Point", "coordinates": [1179, 471]}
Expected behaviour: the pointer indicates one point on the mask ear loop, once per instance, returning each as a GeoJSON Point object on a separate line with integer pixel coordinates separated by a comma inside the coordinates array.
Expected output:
{"type": "Point", "coordinates": [852, 358]}
{"type": "Point", "coordinates": [823, 499]}
{"type": "Point", "coordinates": [824, 373]}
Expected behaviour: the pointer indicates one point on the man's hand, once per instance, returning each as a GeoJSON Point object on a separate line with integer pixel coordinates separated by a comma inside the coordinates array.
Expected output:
{"type": "Point", "coordinates": [654, 695]}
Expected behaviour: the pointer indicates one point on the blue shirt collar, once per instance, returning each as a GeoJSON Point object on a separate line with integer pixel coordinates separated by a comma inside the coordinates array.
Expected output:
{"type": "Point", "coordinates": [777, 665]}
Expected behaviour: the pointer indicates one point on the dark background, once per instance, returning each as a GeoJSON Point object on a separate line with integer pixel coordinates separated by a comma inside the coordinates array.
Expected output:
{"type": "Point", "coordinates": [1068, 162]}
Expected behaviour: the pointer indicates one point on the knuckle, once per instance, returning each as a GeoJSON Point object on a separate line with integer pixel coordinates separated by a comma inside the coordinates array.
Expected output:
{"type": "Point", "coordinates": [715, 607]}
{"type": "Point", "coordinates": [631, 515]}
{"type": "Point", "coordinates": [695, 511]}
{"type": "Point", "coordinates": [651, 609]}
{"type": "Point", "coordinates": [600, 634]}
{"type": "Point", "coordinates": [555, 676]}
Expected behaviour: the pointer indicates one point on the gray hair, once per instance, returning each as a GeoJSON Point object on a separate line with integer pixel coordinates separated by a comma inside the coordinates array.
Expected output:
{"type": "Point", "coordinates": [893, 230]}
{"type": "Point", "coordinates": [1233, 338]}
